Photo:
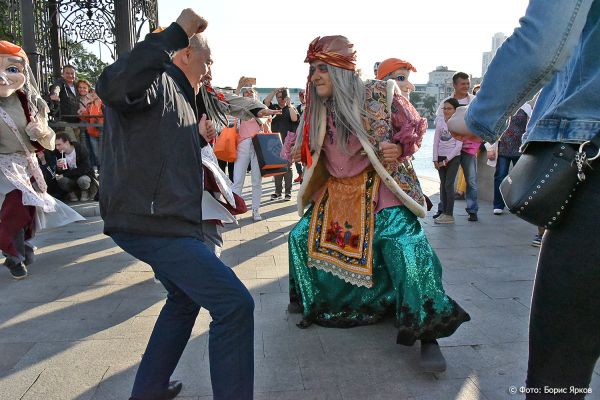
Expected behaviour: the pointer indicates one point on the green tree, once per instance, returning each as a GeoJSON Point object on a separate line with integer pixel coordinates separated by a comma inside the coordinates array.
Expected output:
{"type": "Point", "coordinates": [415, 99]}
{"type": "Point", "coordinates": [88, 65]}
{"type": "Point", "coordinates": [430, 103]}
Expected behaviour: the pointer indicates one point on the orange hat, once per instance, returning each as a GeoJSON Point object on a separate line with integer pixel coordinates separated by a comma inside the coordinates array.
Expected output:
{"type": "Point", "coordinates": [332, 50]}
{"type": "Point", "coordinates": [13, 49]}
{"type": "Point", "coordinates": [391, 64]}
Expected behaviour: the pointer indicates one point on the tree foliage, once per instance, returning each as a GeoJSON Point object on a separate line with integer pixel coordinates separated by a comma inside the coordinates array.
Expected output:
{"type": "Point", "coordinates": [89, 66]}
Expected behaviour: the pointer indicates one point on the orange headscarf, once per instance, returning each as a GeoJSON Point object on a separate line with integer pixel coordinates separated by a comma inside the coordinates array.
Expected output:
{"type": "Point", "coordinates": [391, 64]}
{"type": "Point", "coordinates": [332, 50]}
{"type": "Point", "coordinates": [12, 49]}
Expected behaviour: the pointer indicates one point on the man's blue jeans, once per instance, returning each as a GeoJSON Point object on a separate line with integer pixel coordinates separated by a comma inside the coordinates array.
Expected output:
{"type": "Point", "coordinates": [502, 166]}
{"type": "Point", "coordinates": [194, 277]}
{"type": "Point", "coordinates": [469, 165]}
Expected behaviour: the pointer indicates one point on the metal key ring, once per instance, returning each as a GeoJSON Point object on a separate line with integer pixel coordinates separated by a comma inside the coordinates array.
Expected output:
{"type": "Point", "coordinates": [589, 158]}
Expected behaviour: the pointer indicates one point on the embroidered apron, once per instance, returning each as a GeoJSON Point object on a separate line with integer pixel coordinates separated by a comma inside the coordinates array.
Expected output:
{"type": "Point", "coordinates": [340, 238]}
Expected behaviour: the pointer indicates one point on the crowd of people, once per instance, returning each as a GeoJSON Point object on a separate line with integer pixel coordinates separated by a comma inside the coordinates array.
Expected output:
{"type": "Point", "coordinates": [358, 253]}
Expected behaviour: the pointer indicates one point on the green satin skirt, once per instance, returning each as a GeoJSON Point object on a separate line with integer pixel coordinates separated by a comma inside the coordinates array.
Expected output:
{"type": "Point", "coordinates": [407, 277]}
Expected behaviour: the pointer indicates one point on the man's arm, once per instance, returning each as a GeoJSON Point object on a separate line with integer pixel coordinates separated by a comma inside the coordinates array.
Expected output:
{"type": "Point", "coordinates": [131, 82]}
{"type": "Point", "coordinates": [84, 165]}
{"type": "Point", "coordinates": [526, 62]}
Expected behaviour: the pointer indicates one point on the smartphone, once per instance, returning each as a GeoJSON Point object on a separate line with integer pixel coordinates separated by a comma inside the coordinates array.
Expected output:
{"type": "Point", "coordinates": [251, 81]}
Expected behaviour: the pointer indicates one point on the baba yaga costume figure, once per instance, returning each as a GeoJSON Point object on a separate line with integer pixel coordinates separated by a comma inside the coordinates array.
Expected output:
{"type": "Point", "coordinates": [359, 253]}
{"type": "Point", "coordinates": [25, 206]}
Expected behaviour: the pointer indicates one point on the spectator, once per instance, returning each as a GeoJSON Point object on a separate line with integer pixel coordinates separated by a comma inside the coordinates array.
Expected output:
{"type": "Point", "coordinates": [283, 124]}
{"type": "Point", "coordinates": [300, 109]}
{"type": "Point", "coordinates": [74, 170]}
{"type": "Point", "coordinates": [90, 110]}
{"type": "Point", "coordinates": [446, 159]}
{"type": "Point", "coordinates": [508, 152]}
{"type": "Point", "coordinates": [555, 48]}
{"type": "Point", "coordinates": [65, 93]}
{"type": "Point", "coordinates": [246, 155]}
{"type": "Point", "coordinates": [468, 158]}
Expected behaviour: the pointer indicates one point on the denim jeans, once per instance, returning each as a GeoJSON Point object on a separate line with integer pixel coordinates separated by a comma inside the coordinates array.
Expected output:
{"type": "Point", "coordinates": [564, 327]}
{"type": "Point", "coordinates": [194, 277]}
{"type": "Point", "coordinates": [469, 165]}
{"type": "Point", "coordinates": [502, 166]}
{"type": "Point", "coordinates": [447, 179]}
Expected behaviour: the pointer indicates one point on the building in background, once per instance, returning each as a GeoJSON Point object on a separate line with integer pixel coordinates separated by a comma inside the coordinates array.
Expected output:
{"type": "Point", "coordinates": [487, 57]}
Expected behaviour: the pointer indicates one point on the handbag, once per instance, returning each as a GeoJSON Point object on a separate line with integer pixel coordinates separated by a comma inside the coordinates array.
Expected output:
{"type": "Point", "coordinates": [226, 144]}
{"type": "Point", "coordinates": [543, 183]}
{"type": "Point", "coordinates": [267, 147]}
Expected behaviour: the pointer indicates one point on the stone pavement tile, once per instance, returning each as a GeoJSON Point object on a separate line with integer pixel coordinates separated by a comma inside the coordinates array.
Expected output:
{"type": "Point", "coordinates": [143, 290]}
{"type": "Point", "coordinates": [277, 374]}
{"type": "Point", "coordinates": [15, 383]}
{"type": "Point", "coordinates": [193, 371]}
{"type": "Point", "coordinates": [292, 347]}
{"type": "Point", "coordinates": [352, 390]}
{"type": "Point", "coordinates": [462, 291]}
{"type": "Point", "coordinates": [271, 302]}
{"type": "Point", "coordinates": [65, 383]}
{"type": "Point", "coordinates": [429, 388]}
{"type": "Point", "coordinates": [117, 382]}
{"type": "Point", "coordinates": [128, 309]}
{"type": "Point", "coordinates": [521, 290]}
{"type": "Point", "coordinates": [124, 277]}
{"type": "Point", "coordinates": [495, 386]}
{"type": "Point", "coordinates": [258, 286]}
{"type": "Point", "coordinates": [57, 310]}
{"type": "Point", "coordinates": [12, 353]}
{"type": "Point", "coordinates": [328, 393]}
{"type": "Point", "coordinates": [27, 291]}
{"type": "Point", "coordinates": [467, 334]}
{"type": "Point", "coordinates": [462, 362]}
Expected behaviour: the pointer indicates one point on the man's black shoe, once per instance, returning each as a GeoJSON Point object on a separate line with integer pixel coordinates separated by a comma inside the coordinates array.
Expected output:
{"type": "Point", "coordinates": [437, 214]}
{"type": "Point", "coordinates": [275, 196]}
{"type": "Point", "coordinates": [17, 270]}
{"type": "Point", "coordinates": [172, 391]}
{"type": "Point", "coordinates": [473, 217]}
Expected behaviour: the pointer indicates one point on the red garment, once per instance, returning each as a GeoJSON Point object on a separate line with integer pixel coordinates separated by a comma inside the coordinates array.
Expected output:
{"type": "Point", "coordinates": [15, 216]}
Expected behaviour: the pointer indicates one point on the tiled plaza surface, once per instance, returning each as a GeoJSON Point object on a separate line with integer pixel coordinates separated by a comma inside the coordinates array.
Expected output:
{"type": "Point", "coordinates": [77, 326]}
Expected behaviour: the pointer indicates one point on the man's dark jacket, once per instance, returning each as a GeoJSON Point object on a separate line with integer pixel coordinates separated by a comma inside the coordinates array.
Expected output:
{"type": "Point", "coordinates": [152, 174]}
{"type": "Point", "coordinates": [69, 102]}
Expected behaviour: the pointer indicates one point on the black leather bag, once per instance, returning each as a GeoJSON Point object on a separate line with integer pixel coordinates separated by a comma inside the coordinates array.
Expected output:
{"type": "Point", "coordinates": [544, 182]}
{"type": "Point", "coordinates": [268, 147]}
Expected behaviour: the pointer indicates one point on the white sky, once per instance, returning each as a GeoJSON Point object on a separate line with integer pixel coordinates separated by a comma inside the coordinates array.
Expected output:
{"type": "Point", "coordinates": [268, 39]}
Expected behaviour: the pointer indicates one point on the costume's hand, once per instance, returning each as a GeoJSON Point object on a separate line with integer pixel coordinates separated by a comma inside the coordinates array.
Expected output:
{"type": "Point", "coordinates": [458, 128]}
{"type": "Point", "coordinates": [35, 129]}
{"type": "Point", "coordinates": [491, 155]}
{"type": "Point", "coordinates": [296, 155]}
{"type": "Point", "coordinates": [191, 22]}
{"type": "Point", "coordinates": [266, 112]}
{"type": "Point", "coordinates": [207, 129]}
{"type": "Point", "coordinates": [391, 151]}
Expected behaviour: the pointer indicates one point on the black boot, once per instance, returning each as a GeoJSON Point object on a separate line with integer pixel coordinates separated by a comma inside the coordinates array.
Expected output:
{"type": "Point", "coordinates": [432, 359]}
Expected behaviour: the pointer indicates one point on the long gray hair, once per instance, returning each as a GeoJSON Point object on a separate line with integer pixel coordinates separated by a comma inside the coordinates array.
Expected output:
{"type": "Point", "coordinates": [348, 101]}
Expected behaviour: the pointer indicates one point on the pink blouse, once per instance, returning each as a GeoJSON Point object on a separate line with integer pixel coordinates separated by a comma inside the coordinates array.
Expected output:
{"type": "Point", "coordinates": [342, 164]}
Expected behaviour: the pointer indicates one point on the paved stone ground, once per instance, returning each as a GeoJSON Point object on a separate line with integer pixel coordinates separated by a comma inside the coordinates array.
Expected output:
{"type": "Point", "coordinates": [77, 327]}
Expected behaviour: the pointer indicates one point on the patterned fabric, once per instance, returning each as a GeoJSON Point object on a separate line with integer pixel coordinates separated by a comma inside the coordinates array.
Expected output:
{"type": "Point", "coordinates": [379, 127]}
{"type": "Point", "coordinates": [407, 277]}
{"type": "Point", "coordinates": [16, 167]}
{"type": "Point", "coordinates": [510, 141]}
{"type": "Point", "coordinates": [340, 239]}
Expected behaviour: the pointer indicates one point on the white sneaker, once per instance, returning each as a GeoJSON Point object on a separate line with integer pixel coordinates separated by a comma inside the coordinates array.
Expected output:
{"type": "Point", "coordinates": [498, 211]}
{"type": "Point", "coordinates": [256, 215]}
